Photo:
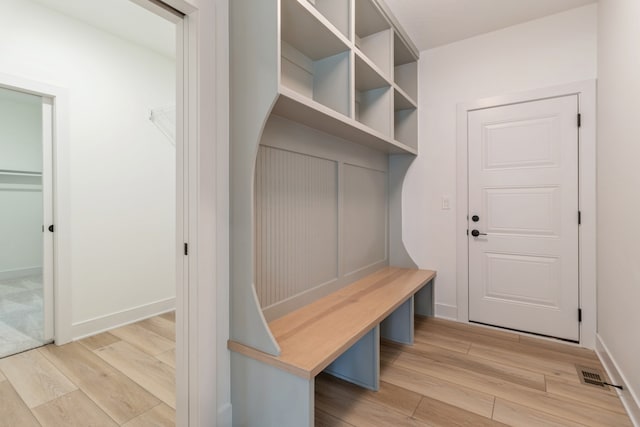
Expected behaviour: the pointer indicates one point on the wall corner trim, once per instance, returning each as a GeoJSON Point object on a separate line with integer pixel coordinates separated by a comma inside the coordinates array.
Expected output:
{"type": "Point", "coordinates": [628, 396]}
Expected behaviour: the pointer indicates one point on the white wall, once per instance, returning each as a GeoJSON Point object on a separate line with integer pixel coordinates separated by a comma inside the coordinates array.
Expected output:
{"type": "Point", "coordinates": [20, 196]}
{"type": "Point", "coordinates": [618, 183]}
{"type": "Point", "coordinates": [122, 168]}
{"type": "Point", "coordinates": [550, 51]}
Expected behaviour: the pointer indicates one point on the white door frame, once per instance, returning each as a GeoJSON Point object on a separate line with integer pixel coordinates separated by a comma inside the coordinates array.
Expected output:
{"type": "Point", "coordinates": [48, 187]}
{"type": "Point", "coordinates": [61, 202]}
{"type": "Point", "coordinates": [196, 199]}
{"type": "Point", "coordinates": [586, 92]}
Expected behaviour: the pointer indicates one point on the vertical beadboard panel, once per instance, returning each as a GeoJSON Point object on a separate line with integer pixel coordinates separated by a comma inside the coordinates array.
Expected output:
{"type": "Point", "coordinates": [296, 223]}
{"type": "Point", "coordinates": [364, 218]}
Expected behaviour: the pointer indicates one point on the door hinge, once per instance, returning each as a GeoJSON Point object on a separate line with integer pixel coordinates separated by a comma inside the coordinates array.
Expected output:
{"type": "Point", "coordinates": [579, 217]}
{"type": "Point", "coordinates": [186, 249]}
{"type": "Point", "coordinates": [579, 315]}
{"type": "Point", "coordinates": [579, 120]}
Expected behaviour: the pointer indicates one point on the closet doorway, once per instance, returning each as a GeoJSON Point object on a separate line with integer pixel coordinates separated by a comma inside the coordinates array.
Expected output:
{"type": "Point", "coordinates": [26, 224]}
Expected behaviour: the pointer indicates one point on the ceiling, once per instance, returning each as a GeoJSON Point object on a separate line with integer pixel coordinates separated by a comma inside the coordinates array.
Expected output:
{"type": "Point", "coordinates": [122, 18]}
{"type": "Point", "coordinates": [432, 23]}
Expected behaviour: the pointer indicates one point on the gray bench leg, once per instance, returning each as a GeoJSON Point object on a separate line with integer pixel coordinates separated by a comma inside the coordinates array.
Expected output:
{"type": "Point", "coordinates": [265, 396]}
{"type": "Point", "coordinates": [398, 326]}
{"type": "Point", "coordinates": [361, 363]}
{"type": "Point", "coordinates": [424, 300]}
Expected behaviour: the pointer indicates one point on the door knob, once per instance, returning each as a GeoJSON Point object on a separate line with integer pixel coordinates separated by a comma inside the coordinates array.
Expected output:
{"type": "Point", "coordinates": [476, 233]}
{"type": "Point", "coordinates": [475, 218]}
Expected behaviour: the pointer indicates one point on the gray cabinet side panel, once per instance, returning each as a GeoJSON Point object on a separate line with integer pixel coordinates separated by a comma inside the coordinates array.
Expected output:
{"type": "Point", "coordinates": [398, 255]}
{"type": "Point", "coordinates": [254, 55]}
{"type": "Point", "coordinates": [265, 396]}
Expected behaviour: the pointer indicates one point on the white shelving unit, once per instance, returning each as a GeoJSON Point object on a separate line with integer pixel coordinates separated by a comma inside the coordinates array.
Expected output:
{"type": "Point", "coordinates": [349, 69]}
{"type": "Point", "coordinates": [324, 95]}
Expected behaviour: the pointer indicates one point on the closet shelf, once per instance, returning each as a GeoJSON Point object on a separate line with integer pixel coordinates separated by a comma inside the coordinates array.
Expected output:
{"type": "Point", "coordinates": [301, 109]}
{"type": "Point", "coordinates": [19, 172]}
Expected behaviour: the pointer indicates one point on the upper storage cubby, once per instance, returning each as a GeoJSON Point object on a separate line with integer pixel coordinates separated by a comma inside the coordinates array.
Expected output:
{"type": "Point", "coordinates": [405, 120]}
{"type": "Point", "coordinates": [405, 68]}
{"type": "Point", "coordinates": [337, 13]}
{"type": "Point", "coordinates": [373, 34]}
{"type": "Point", "coordinates": [315, 60]}
{"type": "Point", "coordinates": [373, 97]}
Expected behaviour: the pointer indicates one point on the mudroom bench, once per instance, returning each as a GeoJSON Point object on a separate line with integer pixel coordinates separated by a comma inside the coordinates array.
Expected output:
{"type": "Point", "coordinates": [339, 334]}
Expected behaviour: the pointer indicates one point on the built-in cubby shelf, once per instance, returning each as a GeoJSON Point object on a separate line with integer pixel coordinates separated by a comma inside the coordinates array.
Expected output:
{"type": "Point", "coordinates": [293, 106]}
{"type": "Point", "coordinates": [373, 34]}
{"type": "Point", "coordinates": [337, 13]}
{"type": "Point", "coordinates": [405, 68]}
{"type": "Point", "coordinates": [355, 78]}
{"type": "Point", "coordinates": [372, 97]}
{"type": "Point", "coordinates": [315, 61]}
{"type": "Point", "coordinates": [405, 119]}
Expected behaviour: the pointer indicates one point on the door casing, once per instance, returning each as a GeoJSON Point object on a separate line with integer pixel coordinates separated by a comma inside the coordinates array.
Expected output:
{"type": "Point", "coordinates": [586, 92]}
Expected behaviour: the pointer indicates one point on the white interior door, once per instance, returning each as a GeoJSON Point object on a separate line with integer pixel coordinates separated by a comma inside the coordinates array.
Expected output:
{"type": "Point", "coordinates": [523, 206]}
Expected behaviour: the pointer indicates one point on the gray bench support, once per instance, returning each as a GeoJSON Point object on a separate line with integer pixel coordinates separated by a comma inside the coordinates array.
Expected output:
{"type": "Point", "coordinates": [361, 363]}
{"type": "Point", "coordinates": [398, 326]}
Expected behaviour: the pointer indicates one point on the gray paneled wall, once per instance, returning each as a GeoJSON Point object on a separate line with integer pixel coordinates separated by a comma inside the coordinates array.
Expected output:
{"type": "Point", "coordinates": [321, 218]}
{"type": "Point", "coordinates": [296, 223]}
{"type": "Point", "coordinates": [364, 216]}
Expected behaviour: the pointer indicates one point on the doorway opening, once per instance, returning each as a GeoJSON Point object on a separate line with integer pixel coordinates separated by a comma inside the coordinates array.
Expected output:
{"type": "Point", "coordinates": [519, 191]}
{"type": "Point", "coordinates": [115, 76]}
{"type": "Point", "coordinates": [26, 275]}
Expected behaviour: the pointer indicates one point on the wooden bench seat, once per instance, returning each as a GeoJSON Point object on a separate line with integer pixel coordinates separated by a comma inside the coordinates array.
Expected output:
{"type": "Point", "coordinates": [339, 334]}
{"type": "Point", "coordinates": [313, 336]}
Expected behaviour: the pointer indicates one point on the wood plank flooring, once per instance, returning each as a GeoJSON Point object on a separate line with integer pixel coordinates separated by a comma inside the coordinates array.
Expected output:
{"type": "Point", "coordinates": [122, 377]}
{"type": "Point", "coordinates": [465, 375]}
{"type": "Point", "coordinates": [454, 375]}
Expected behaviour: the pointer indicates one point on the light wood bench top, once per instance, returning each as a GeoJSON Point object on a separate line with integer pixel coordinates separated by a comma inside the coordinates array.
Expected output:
{"type": "Point", "coordinates": [313, 336]}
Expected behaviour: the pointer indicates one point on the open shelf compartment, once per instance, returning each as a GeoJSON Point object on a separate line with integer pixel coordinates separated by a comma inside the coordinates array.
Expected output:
{"type": "Point", "coordinates": [337, 12]}
{"type": "Point", "coordinates": [373, 97]}
{"type": "Point", "coordinates": [314, 60]}
{"type": "Point", "coordinates": [405, 120]}
{"type": "Point", "coordinates": [373, 34]}
{"type": "Point", "coordinates": [405, 68]}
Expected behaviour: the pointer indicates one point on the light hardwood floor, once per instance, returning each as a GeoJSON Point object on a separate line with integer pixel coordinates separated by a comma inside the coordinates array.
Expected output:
{"type": "Point", "coordinates": [122, 377]}
{"type": "Point", "coordinates": [454, 375]}
{"type": "Point", "coordinates": [463, 375]}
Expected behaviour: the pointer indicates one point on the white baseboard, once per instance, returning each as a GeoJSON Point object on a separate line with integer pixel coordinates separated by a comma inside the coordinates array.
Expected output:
{"type": "Point", "coordinates": [449, 312]}
{"type": "Point", "coordinates": [22, 272]}
{"type": "Point", "coordinates": [224, 415]}
{"type": "Point", "coordinates": [110, 321]}
{"type": "Point", "coordinates": [628, 396]}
